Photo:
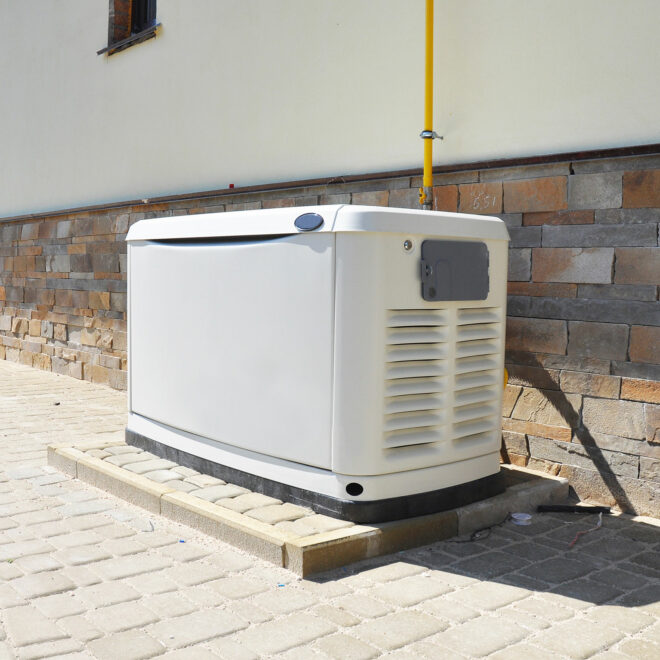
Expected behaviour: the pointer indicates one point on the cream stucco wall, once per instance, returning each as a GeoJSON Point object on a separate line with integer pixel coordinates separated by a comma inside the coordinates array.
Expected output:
{"type": "Point", "coordinates": [258, 91]}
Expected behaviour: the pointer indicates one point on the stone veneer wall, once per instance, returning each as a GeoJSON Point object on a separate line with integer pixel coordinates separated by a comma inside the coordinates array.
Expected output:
{"type": "Point", "coordinates": [583, 333]}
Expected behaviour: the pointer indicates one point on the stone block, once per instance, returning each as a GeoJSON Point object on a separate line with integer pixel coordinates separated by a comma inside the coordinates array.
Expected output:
{"type": "Point", "coordinates": [645, 292]}
{"type": "Point", "coordinates": [80, 299]}
{"type": "Point", "coordinates": [599, 340]}
{"type": "Point", "coordinates": [637, 266]}
{"type": "Point", "coordinates": [595, 191]}
{"type": "Point", "coordinates": [99, 300]}
{"type": "Point", "coordinates": [645, 344]}
{"type": "Point", "coordinates": [522, 237]}
{"type": "Point", "coordinates": [26, 357]}
{"type": "Point", "coordinates": [599, 236]}
{"type": "Point", "coordinates": [480, 198]}
{"type": "Point", "coordinates": [332, 198]}
{"type": "Point", "coordinates": [89, 337]}
{"type": "Point", "coordinates": [624, 418]}
{"type": "Point", "coordinates": [616, 443]}
{"type": "Point", "coordinates": [34, 328]}
{"type": "Point", "coordinates": [118, 302]}
{"type": "Point", "coordinates": [532, 334]}
{"type": "Point", "coordinates": [649, 469]}
{"type": "Point", "coordinates": [58, 263]}
{"type": "Point", "coordinates": [607, 311]}
{"type": "Point", "coordinates": [529, 376]}
{"type": "Point", "coordinates": [47, 329]}
{"type": "Point", "coordinates": [579, 265]}
{"type": "Point", "coordinates": [100, 374]}
{"type": "Point", "coordinates": [552, 289]}
{"type": "Point", "coordinates": [559, 218]}
{"type": "Point", "coordinates": [5, 323]}
{"type": "Point", "coordinates": [597, 385]}
{"type": "Point", "coordinates": [42, 361]}
{"type": "Point", "coordinates": [532, 195]}
{"type": "Point", "coordinates": [445, 198]}
{"type": "Point", "coordinates": [372, 198]}
{"type": "Point", "coordinates": [520, 264]}
{"type": "Point", "coordinates": [632, 495]}
{"type": "Point", "coordinates": [509, 398]}
{"type": "Point", "coordinates": [584, 456]}
{"type": "Point", "coordinates": [20, 325]}
{"type": "Point", "coordinates": [652, 419]}
{"type": "Point", "coordinates": [60, 332]}
{"type": "Point", "coordinates": [627, 216]}
{"type": "Point", "coordinates": [109, 361]}
{"type": "Point", "coordinates": [511, 219]}
{"type": "Point", "coordinates": [641, 189]}
{"type": "Point", "coordinates": [14, 294]}
{"type": "Point", "coordinates": [30, 231]}
{"type": "Point", "coordinates": [105, 340]}
{"type": "Point", "coordinates": [81, 263]}
{"type": "Point", "coordinates": [118, 380]}
{"type": "Point", "coordinates": [63, 298]}
{"type": "Point", "coordinates": [105, 263]}
{"type": "Point", "coordinates": [640, 390]}
{"type": "Point", "coordinates": [548, 407]}
{"type": "Point", "coordinates": [406, 198]}
{"type": "Point", "coordinates": [515, 442]}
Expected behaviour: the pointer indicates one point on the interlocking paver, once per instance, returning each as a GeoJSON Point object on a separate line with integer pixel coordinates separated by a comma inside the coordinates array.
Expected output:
{"type": "Point", "coordinates": [196, 627]}
{"type": "Point", "coordinates": [341, 646]}
{"type": "Point", "coordinates": [56, 648]}
{"type": "Point", "coordinates": [395, 630]}
{"type": "Point", "coordinates": [129, 645]}
{"type": "Point", "coordinates": [410, 591]}
{"type": "Point", "coordinates": [117, 618]}
{"type": "Point", "coordinates": [577, 638]}
{"type": "Point", "coordinates": [520, 593]}
{"type": "Point", "coordinates": [26, 625]}
{"type": "Point", "coordinates": [42, 584]}
{"type": "Point", "coordinates": [286, 633]}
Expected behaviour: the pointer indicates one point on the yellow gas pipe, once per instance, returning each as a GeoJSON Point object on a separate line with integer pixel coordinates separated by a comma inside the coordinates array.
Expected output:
{"type": "Point", "coordinates": [426, 191]}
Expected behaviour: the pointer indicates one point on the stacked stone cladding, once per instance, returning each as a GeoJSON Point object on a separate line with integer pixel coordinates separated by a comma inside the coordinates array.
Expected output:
{"type": "Point", "coordinates": [583, 331]}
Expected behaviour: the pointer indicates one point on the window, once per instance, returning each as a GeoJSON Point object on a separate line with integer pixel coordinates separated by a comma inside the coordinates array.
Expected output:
{"type": "Point", "coordinates": [130, 22]}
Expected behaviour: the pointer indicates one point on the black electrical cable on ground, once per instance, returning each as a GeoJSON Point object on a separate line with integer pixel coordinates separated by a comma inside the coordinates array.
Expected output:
{"type": "Point", "coordinates": [477, 535]}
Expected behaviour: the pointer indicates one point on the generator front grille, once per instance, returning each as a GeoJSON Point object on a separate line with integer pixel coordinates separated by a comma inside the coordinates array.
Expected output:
{"type": "Point", "coordinates": [441, 376]}
{"type": "Point", "coordinates": [475, 410]}
{"type": "Point", "coordinates": [415, 372]}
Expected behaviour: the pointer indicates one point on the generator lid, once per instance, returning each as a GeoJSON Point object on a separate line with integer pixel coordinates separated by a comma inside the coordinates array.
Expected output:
{"type": "Point", "coordinates": [314, 219]}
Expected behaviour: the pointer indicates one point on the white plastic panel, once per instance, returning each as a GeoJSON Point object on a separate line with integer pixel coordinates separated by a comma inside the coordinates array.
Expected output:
{"type": "Point", "coordinates": [397, 355]}
{"type": "Point", "coordinates": [233, 341]}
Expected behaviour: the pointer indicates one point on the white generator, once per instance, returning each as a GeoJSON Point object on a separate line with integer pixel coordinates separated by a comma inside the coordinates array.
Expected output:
{"type": "Point", "coordinates": [347, 358]}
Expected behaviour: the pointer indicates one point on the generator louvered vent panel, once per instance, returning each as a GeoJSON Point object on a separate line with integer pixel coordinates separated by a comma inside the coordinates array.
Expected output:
{"type": "Point", "coordinates": [415, 373]}
{"type": "Point", "coordinates": [475, 412]}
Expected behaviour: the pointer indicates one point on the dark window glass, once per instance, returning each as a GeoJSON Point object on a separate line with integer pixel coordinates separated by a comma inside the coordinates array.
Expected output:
{"type": "Point", "coordinates": [143, 15]}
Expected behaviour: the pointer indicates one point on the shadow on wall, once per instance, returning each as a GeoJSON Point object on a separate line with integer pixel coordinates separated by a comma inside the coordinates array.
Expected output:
{"type": "Point", "coordinates": [585, 441]}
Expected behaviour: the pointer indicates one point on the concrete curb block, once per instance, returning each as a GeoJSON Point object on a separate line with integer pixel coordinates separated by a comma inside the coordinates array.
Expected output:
{"type": "Point", "coordinates": [302, 555]}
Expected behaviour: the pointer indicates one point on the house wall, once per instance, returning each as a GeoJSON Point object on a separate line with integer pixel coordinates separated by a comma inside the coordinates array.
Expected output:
{"type": "Point", "coordinates": [255, 91]}
{"type": "Point", "coordinates": [583, 330]}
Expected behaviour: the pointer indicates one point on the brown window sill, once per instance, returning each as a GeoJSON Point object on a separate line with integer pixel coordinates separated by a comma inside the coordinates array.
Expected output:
{"type": "Point", "coordinates": [149, 33]}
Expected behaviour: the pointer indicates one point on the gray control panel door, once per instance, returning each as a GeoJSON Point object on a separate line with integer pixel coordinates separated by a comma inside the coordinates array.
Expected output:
{"type": "Point", "coordinates": [454, 270]}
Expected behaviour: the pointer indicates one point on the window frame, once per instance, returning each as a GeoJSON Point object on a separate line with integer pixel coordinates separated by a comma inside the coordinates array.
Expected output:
{"type": "Point", "coordinates": [126, 24]}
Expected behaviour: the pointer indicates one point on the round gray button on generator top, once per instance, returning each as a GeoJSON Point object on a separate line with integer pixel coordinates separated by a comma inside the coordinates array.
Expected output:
{"type": "Point", "coordinates": [308, 221]}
